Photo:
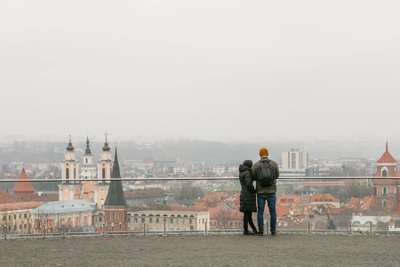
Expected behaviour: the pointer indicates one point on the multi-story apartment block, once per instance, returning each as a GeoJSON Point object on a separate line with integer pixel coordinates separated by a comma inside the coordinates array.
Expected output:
{"type": "Point", "coordinates": [294, 162]}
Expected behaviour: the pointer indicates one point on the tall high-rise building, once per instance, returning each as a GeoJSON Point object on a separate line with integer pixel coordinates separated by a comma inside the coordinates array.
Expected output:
{"type": "Point", "coordinates": [294, 163]}
{"type": "Point", "coordinates": [295, 159]}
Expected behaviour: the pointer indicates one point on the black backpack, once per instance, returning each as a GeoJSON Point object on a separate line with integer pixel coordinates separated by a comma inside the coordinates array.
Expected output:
{"type": "Point", "coordinates": [266, 175]}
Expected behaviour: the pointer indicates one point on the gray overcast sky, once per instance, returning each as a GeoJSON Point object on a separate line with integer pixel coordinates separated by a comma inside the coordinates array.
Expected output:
{"type": "Point", "coordinates": [212, 69]}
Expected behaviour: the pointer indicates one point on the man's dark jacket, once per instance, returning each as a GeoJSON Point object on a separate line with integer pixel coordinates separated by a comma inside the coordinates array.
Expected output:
{"type": "Point", "coordinates": [256, 169]}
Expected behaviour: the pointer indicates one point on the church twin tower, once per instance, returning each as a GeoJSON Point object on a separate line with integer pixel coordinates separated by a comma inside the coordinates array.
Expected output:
{"type": "Point", "coordinates": [72, 172]}
{"type": "Point", "coordinates": [97, 186]}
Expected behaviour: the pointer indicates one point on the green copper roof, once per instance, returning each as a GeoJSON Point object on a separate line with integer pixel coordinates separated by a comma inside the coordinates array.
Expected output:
{"type": "Point", "coordinates": [115, 196]}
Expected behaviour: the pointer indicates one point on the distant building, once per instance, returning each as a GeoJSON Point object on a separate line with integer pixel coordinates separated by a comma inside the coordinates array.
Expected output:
{"type": "Point", "coordinates": [23, 191]}
{"type": "Point", "coordinates": [387, 193]}
{"type": "Point", "coordinates": [294, 163]}
{"type": "Point", "coordinates": [158, 221]}
{"type": "Point", "coordinates": [16, 217]}
{"type": "Point", "coordinates": [115, 208]}
{"type": "Point", "coordinates": [295, 159]}
{"type": "Point", "coordinates": [73, 188]}
{"type": "Point", "coordinates": [56, 216]}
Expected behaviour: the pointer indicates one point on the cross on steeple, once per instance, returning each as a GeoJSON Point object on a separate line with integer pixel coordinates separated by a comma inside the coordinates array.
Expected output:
{"type": "Point", "coordinates": [106, 146]}
{"type": "Point", "coordinates": [70, 147]}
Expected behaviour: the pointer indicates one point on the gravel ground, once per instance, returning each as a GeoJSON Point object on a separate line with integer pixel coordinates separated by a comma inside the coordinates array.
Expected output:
{"type": "Point", "coordinates": [200, 250]}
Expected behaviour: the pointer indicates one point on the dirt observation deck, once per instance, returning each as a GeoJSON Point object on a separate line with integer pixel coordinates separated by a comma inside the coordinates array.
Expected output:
{"type": "Point", "coordinates": [205, 250]}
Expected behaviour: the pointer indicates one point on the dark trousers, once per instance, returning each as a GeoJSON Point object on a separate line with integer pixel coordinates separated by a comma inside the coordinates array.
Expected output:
{"type": "Point", "coordinates": [248, 220]}
{"type": "Point", "coordinates": [271, 199]}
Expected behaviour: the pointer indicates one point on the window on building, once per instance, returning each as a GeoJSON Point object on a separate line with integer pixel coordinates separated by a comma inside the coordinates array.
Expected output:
{"type": "Point", "coordinates": [143, 220]}
{"type": "Point", "coordinates": [171, 221]}
{"type": "Point", "coordinates": [25, 216]}
{"type": "Point", "coordinates": [293, 161]}
{"type": "Point", "coordinates": [384, 204]}
{"type": "Point", "coordinates": [384, 191]}
{"type": "Point", "coordinates": [67, 173]}
{"type": "Point", "coordinates": [150, 220]}
{"type": "Point", "coordinates": [135, 220]}
{"type": "Point", "coordinates": [103, 173]}
{"type": "Point", "coordinates": [384, 173]}
{"type": "Point", "coordinates": [157, 220]}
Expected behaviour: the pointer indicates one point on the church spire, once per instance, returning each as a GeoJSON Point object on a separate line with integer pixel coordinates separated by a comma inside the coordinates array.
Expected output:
{"type": "Point", "coordinates": [106, 146]}
{"type": "Point", "coordinates": [88, 151]}
{"type": "Point", "coordinates": [387, 146]}
{"type": "Point", "coordinates": [70, 147]}
{"type": "Point", "coordinates": [115, 196]}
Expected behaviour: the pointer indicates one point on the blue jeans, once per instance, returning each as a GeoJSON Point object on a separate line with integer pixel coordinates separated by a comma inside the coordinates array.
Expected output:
{"type": "Point", "coordinates": [271, 199]}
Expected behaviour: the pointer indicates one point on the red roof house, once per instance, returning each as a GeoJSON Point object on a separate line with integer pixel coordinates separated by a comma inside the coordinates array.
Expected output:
{"type": "Point", "coordinates": [23, 191]}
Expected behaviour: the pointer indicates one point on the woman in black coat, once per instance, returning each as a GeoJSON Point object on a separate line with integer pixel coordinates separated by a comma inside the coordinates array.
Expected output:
{"type": "Point", "coordinates": [247, 197]}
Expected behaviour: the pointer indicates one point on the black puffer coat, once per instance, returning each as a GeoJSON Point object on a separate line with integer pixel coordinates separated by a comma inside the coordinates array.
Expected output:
{"type": "Point", "coordinates": [248, 193]}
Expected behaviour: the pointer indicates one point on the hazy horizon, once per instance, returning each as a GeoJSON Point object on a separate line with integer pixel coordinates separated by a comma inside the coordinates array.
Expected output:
{"type": "Point", "coordinates": [224, 70]}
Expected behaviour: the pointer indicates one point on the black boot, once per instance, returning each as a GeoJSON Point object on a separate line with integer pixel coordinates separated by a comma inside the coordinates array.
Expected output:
{"type": "Point", "coordinates": [247, 233]}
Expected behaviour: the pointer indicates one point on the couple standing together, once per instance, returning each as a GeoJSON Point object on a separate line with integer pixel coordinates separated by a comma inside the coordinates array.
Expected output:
{"type": "Point", "coordinates": [264, 172]}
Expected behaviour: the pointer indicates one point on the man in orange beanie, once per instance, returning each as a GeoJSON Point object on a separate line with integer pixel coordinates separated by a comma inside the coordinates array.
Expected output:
{"type": "Point", "coordinates": [265, 172]}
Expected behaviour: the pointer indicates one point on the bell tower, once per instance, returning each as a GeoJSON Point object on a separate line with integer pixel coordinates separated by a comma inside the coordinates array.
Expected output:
{"type": "Point", "coordinates": [70, 165]}
{"type": "Point", "coordinates": [104, 166]}
{"type": "Point", "coordinates": [88, 170]}
{"type": "Point", "coordinates": [70, 187]}
{"type": "Point", "coordinates": [386, 189]}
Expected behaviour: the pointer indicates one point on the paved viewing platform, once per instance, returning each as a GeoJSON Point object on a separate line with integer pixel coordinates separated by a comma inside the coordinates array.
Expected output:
{"type": "Point", "coordinates": [205, 250]}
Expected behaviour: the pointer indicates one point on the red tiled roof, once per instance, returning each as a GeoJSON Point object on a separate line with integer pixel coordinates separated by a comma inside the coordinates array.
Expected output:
{"type": "Point", "coordinates": [20, 205]}
{"type": "Point", "coordinates": [323, 198]}
{"type": "Point", "coordinates": [25, 187]}
{"type": "Point", "coordinates": [290, 200]}
{"type": "Point", "coordinates": [367, 202]}
{"type": "Point", "coordinates": [335, 211]}
{"type": "Point", "coordinates": [386, 157]}
{"type": "Point", "coordinates": [281, 210]}
{"type": "Point", "coordinates": [5, 198]}
{"type": "Point", "coordinates": [231, 214]}
{"type": "Point", "coordinates": [352, 203]}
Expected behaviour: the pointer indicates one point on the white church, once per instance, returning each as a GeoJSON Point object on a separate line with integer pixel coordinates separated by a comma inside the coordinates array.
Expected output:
{"type": "Point", "coordinates": [74, 175]}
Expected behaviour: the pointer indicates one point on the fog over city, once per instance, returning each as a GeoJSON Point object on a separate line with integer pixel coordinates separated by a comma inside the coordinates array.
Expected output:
{"type": "Point", "coordinates": [214, 70]}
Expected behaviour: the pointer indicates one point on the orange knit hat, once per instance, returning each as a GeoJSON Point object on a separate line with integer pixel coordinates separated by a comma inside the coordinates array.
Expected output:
{"type": "Point", "coordinates": [264, 152]}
